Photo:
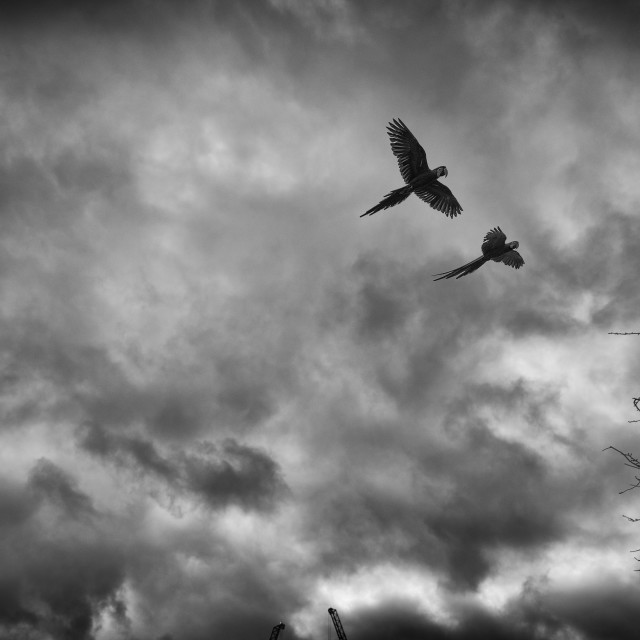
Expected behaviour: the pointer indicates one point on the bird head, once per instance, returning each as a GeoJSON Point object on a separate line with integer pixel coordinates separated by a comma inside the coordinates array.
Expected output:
{"type": "Point", "coordinates": [514, 245]}
{"type": "Point", "coordinates": [442, 171]}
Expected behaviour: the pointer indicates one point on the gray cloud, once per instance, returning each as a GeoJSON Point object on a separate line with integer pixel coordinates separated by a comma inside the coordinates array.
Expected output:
{"type": "Point", "coordinates": [226, 398]}
{"type": "Point", "coordinates": [59, 568]}
{"type": "Point", "coordinates": [231, 473]}
{"type": "Point", "coordinates": [54, 484]}
{"type": "Point", "coordinates": [535, 613]}
{"type": "Point", "coordinates": [247, 476]}
{"type": "Point", "coordinates": [398, 619]}
{"type": "Point", "coordinates": [15, 505]}
{"type": "Point", "coordinates": [463, 508]}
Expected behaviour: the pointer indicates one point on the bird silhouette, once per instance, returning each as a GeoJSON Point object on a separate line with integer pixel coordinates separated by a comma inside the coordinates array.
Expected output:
{"type": "Point", "coordinates": [412, 161]}
{"type": "Point", "coordinates": [493, 248]}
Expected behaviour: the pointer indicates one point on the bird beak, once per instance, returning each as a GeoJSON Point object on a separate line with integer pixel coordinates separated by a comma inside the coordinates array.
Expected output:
{"type": "Point", "coordinates": [446, 172]}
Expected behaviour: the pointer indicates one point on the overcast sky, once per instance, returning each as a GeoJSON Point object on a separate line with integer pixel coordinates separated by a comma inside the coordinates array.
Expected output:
{"type": "Point", "coordinates": [228, 401]}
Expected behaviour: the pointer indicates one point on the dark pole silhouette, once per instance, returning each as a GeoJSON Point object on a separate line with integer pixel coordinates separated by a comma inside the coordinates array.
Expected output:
{"type": "Point", "coordinates": [275, 632]}
{"type": "Point", "coordinates": [337, 624]}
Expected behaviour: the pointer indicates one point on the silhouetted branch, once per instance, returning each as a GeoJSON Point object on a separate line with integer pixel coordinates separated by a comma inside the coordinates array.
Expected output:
{"type": "Point", "coordinates": [633, 486]}
{"type": "Point", "coordinates": [631, 461]}
{"type": "Point", "coordinates": [629, 457]}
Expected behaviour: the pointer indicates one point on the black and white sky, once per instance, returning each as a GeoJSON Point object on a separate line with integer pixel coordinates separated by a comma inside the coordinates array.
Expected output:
{"type": "Point", "coordinates": [228, 401]}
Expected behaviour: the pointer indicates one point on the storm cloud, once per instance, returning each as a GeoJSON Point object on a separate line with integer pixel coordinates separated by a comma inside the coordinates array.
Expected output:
{"type": "Point", "coordinates": [228, 401]}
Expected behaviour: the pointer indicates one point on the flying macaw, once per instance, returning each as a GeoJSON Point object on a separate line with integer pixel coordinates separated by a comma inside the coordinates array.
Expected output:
{"type": "Point", "coordinates": [415, 171]}
{"type": "Point", "coordinates": [493, 248]}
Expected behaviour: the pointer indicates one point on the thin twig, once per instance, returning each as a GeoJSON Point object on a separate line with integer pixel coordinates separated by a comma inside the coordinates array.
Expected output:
{"type": "Point", "coordinates": [629, 457]}
{"type": "Point", "coordinates": [633, 486]}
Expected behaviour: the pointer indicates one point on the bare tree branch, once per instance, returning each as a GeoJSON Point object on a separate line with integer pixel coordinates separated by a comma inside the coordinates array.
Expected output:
{"type": "Point", "coordinates": [633, 486]}
{"type": "Point", "coordinates": [632, 461]}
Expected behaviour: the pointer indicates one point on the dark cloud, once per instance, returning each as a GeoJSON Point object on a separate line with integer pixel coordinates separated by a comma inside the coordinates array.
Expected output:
{"type": "Point", "coordinates": [240, 474]}
{"type": "Point", "coordinates": [398, 619]}
{"type": "Point", "coordinates": [91, 172]}
{"type": "Point", "coordinates": [220, 475]}
{"type": "Point", "coordinates": [12, 614]}
{"type": "Point", "coordinates": [60, 570]}
{"type": "Point", "coordinates": [117, 15]}
{"type": "Point", "coordinates": [74, 582]}
{"type": "Point", "coordinates": [393, 620]}
{"type": "Point", "coordinates": [142, 452]}
{"type": "Point", "coordinates": [537, 612]}
{"type": "Point", "coordinates": [54, 484]}
{"type": "Point", "coordinates": [226, 398]}
{"type": "Point", "coordinates": [22, 180]}
{"type": "Point", "coordinates": [464, 507]}
{"type": "Point", "coordinates": [611, 26]}
{"type": "Point", "coordinates": [62, 574]}
{"type": "Point", "coordinates": [602, 609]}
{"type": "Point", "coordinates": [386, 297]}
{"type": "Point", "coordinates": [497, 503]}
{"type": "Point", "coordinates": [16, 506]}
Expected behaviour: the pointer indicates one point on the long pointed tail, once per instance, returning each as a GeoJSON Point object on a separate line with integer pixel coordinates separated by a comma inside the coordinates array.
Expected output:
{"type": "Point", "coordinates": [470, 267]}
{"type": "Point", "coordinates": [391, 199]}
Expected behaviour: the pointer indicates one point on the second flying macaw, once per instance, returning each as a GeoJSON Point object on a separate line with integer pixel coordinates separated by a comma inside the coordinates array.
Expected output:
{"type": "Point", "coordinates": [493, 248]}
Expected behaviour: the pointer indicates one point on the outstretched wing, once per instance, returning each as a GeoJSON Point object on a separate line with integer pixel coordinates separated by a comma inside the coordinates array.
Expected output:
{"type": "Point", "coordinates": [511, 258]}
{"type": "Point", "coordinates": [493, 240]}
{"type": "Point", "coordinates": [439, 196]}
{"type": "Point", "coordinates": [412, 159]}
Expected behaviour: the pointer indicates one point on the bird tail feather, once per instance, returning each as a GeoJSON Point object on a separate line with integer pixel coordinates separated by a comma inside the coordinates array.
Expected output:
{"type": "Point", "coordinates": [391, 199]}
{"type": "Point", "coordinates": [470, 267]}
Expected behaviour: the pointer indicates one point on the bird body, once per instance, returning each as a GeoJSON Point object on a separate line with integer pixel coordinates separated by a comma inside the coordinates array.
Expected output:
{"type": "Point", "coordinates": [415, 171]}
{"type": "Point", "coordinates": [425, 178]}
{"type": "Point", "coordinates": [493, 248]}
